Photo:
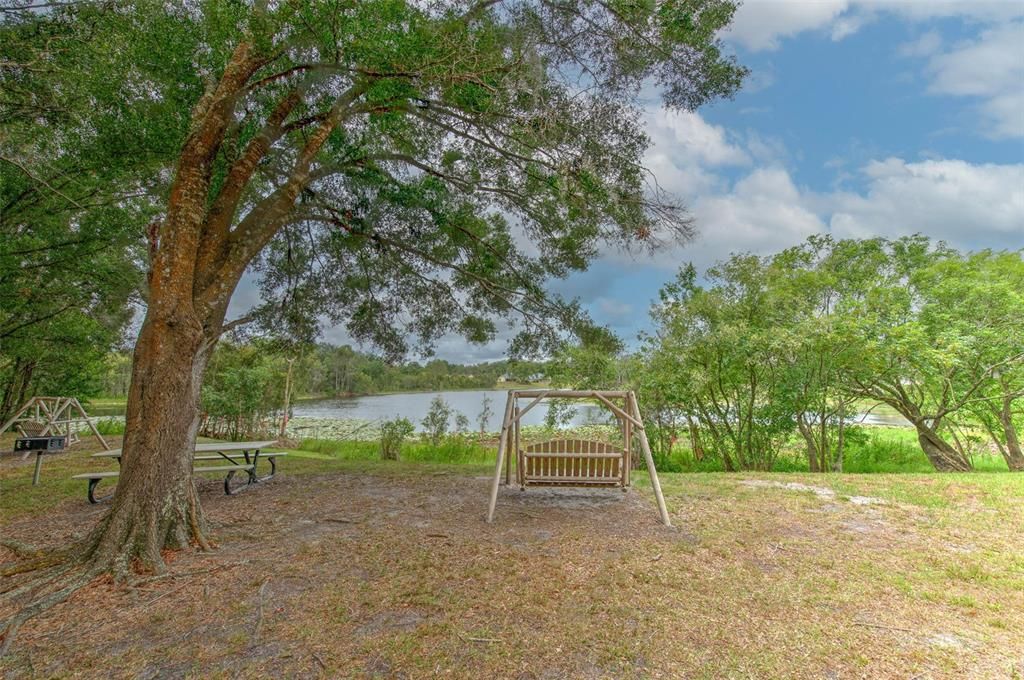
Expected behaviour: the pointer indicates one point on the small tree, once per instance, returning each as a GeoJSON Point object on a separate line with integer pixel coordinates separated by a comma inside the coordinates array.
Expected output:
{"type": "Point", "coordinates": [484, 416]}
{"type": "Point", "coordinates": [461, 423]}
{"type": "Point", "coordinates": [559, 413]}
{"type": "Point", "coordinates": [393, 434]}
{"type": "Point", "coordinates": [435, 423]}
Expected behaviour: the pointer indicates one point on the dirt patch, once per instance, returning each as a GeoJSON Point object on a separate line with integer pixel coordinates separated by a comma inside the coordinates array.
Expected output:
{"type": "Point", "coordinates": [820, 491]}
{"type": "Point", "coordinates": [353, 574]}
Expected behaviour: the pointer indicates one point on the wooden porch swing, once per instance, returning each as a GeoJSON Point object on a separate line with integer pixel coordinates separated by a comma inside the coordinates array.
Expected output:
{"type": "Point", "coordinates": [573, 462]}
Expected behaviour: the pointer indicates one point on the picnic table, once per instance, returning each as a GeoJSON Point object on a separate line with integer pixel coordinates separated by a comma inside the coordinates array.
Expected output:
{"type": "Point", "coordinates": [242, 456]}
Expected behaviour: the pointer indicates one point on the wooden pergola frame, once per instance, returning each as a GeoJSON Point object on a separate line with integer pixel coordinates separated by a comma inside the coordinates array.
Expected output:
{"type": "Point", "coordinates": [628, 415]}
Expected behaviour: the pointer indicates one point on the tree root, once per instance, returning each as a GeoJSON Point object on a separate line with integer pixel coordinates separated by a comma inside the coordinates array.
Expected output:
{"type": "Point", "coordinates": [85, 560]}
{"type": "Point", "coordinates": [23, 550]}
{"type": "Point", "coordinates": [9, 627]}
{"type": "Point", "coordinates": [41, 560]}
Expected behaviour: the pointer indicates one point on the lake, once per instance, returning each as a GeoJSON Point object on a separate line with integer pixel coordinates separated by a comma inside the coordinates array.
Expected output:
{"type": "Point", "coordinates": [414, 405]}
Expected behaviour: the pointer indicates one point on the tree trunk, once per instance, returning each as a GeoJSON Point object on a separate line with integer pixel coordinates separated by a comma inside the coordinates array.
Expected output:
{"type": "Point", "coordinates": [695, 442]}
{"type": "Point", "coordinates": [287, 398]}
{"type": "Point", "coordinates": [155, 504]}
{"type": "Point", "coordinates": [18, 388]}
{"type": "Point", "coordinates": [942, 456]}
{"type": "Point", "coordinates": [837, 461]}
{"type": "Point", "coordinates": [812, 446]}
{"type": "Point", "coordinates": [1012, 453]}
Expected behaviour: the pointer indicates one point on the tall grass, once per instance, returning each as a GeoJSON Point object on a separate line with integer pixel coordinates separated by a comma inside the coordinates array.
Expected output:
{"type": "Point", "coordinates": [871, 450]}
{"type": "Point", "coordinates": [110, 426]}
{"type": "Point", "coordinates": [874, 450]}
{"type": "Point", "coordinates": [451, 450]}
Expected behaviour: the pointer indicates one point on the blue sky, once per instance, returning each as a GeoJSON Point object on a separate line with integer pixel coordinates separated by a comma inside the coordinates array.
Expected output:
{"type": "Point", "coordinates": [860, 118]}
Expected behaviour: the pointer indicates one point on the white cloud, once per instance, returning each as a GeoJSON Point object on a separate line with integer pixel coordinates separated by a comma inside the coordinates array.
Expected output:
{"type": "Point", "coordinates": [924, 45]}
{"type": "Point", "coordinates": [763, 24]}
{"type": "Point", "coordinates": [991, 68]}
{"type": "Point", "coordinates": [968, 205]}
{"type": "Point", "coordinates": [613, 310]}
{"type": "Point", "coordinates": [693, 139]}
{"type": "Point", "coordinates": [685, 149]}
{"type": "Point", "coordinates": [764, 212]}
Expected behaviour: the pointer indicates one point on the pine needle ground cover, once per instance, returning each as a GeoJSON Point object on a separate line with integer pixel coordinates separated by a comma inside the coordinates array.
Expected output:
{"type": "Point", "coordinates": [349, 567]}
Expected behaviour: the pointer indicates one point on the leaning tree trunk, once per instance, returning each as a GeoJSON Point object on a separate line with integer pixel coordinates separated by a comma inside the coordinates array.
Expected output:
{"type": "Point", "coordinates": [695, 441]}
{"type": "Point", "coordinates": [17, 388]}
{"type": "Point", "coordinates": [1012, 453]}
{"type": "Point", "coordinates": [942, 456]}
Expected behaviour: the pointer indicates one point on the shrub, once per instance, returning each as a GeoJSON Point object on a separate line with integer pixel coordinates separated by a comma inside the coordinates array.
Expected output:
{"type": "Point", "coordinates": [110, 426]}
{"type": "Point", "coordinates": [485, 415]}
{"type": "Point", "coordinates": [461, 423]}
{"type": "Point", "coordinates": [392, 433]}
{"type": "Point", "coordinates": [435, 423]}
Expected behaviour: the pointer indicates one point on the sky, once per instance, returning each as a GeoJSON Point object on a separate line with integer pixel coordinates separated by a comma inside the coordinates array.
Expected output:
{"type": "Point", "coordinates": [859, 118]}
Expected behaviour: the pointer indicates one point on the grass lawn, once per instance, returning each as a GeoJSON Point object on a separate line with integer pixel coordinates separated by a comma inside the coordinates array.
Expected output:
{"type": "Point", "coordinates": [343, 566]}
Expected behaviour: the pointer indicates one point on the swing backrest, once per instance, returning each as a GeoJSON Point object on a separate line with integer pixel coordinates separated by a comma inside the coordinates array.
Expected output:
{"type": "Point", "coordinates": [31, 428]}
{"type": "Point", "coordinates": [568, 462]}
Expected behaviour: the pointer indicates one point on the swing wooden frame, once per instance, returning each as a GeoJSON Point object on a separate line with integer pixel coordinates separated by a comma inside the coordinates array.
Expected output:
{"type": "Point", "coordinates": [52, 416]}
{"type": "Point", "coordinates": [573, 462]}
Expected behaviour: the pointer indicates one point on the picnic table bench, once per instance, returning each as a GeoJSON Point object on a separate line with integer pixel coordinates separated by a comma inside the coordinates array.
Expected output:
{"type": "Point", "coordinates": [242, 456]}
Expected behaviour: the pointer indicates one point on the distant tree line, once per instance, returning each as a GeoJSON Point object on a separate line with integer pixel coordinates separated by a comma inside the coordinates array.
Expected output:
{"type": "Point", "coordinates": [243, 391]}
{"type": "Point", "coordinates": [326, 370]}
{"type": "Point", "coordinates": [762, 352]}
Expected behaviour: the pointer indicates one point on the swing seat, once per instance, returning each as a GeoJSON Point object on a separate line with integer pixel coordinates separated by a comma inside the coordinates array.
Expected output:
{"type": "Point", "coordinates": [572, 462]}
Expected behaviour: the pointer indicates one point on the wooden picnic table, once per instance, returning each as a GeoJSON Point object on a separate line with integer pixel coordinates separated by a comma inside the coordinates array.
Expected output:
{"type": "Point", "coordinates": [232, 452]}
{"type": "Point", "coordinates": [250, 452]}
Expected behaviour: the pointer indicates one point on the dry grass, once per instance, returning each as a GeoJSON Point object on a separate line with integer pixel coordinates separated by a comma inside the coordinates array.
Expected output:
{"type": "Point", "coordinates": [387, 570]}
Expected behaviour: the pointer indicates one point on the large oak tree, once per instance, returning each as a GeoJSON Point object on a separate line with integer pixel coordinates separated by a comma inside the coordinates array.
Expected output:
{"type": "Point", "coordinates": [407, 168]}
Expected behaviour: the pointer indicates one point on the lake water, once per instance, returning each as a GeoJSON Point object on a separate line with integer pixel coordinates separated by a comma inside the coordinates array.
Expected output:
{"type": "Point", "coordinates": [414, 405]}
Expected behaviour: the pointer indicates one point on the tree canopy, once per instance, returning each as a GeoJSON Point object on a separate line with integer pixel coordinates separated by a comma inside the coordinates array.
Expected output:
{"type": "Point", "coordinates": [407, 169]}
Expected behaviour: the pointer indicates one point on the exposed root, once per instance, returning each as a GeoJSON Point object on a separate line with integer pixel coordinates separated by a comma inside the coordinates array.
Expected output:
{"type": "Point", "coordinates": [9, 627]}
{"type": "Point", "coordinates": [185, 574]}
{"type": "Point", "coordinates": [121, 546]}
{"type": "Point", "coordinates": [195, 522]}
{"type": "Point", "coordinates": [23, 550]}
{"type": "Point", "coordinates": [42, 560]}
{"type": "Point", "coordinates": [39, 581]}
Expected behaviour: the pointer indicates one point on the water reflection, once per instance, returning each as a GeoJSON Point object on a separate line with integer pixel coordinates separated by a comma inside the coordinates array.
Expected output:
{"type": "Point", "coordinates": [414, 406]}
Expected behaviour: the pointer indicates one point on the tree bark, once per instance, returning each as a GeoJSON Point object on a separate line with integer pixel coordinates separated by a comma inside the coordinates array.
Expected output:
{"type": "Point", "coordinates": [837, 461]}
{"type": "Point", "coordinates": [155, 504]}
{"type": "Point", "coordinates": [942, 456]}
{"type": "Point", "coordinates": [812, 446]}
{"type": "Point", "coordinates": [17, 389]}
{"type": "Point", "coordinates": [1012, 453]}
{"type": "Point", "coordinates": [695, 441]}
{"type": "Point", "coordinates": [287, 398]}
